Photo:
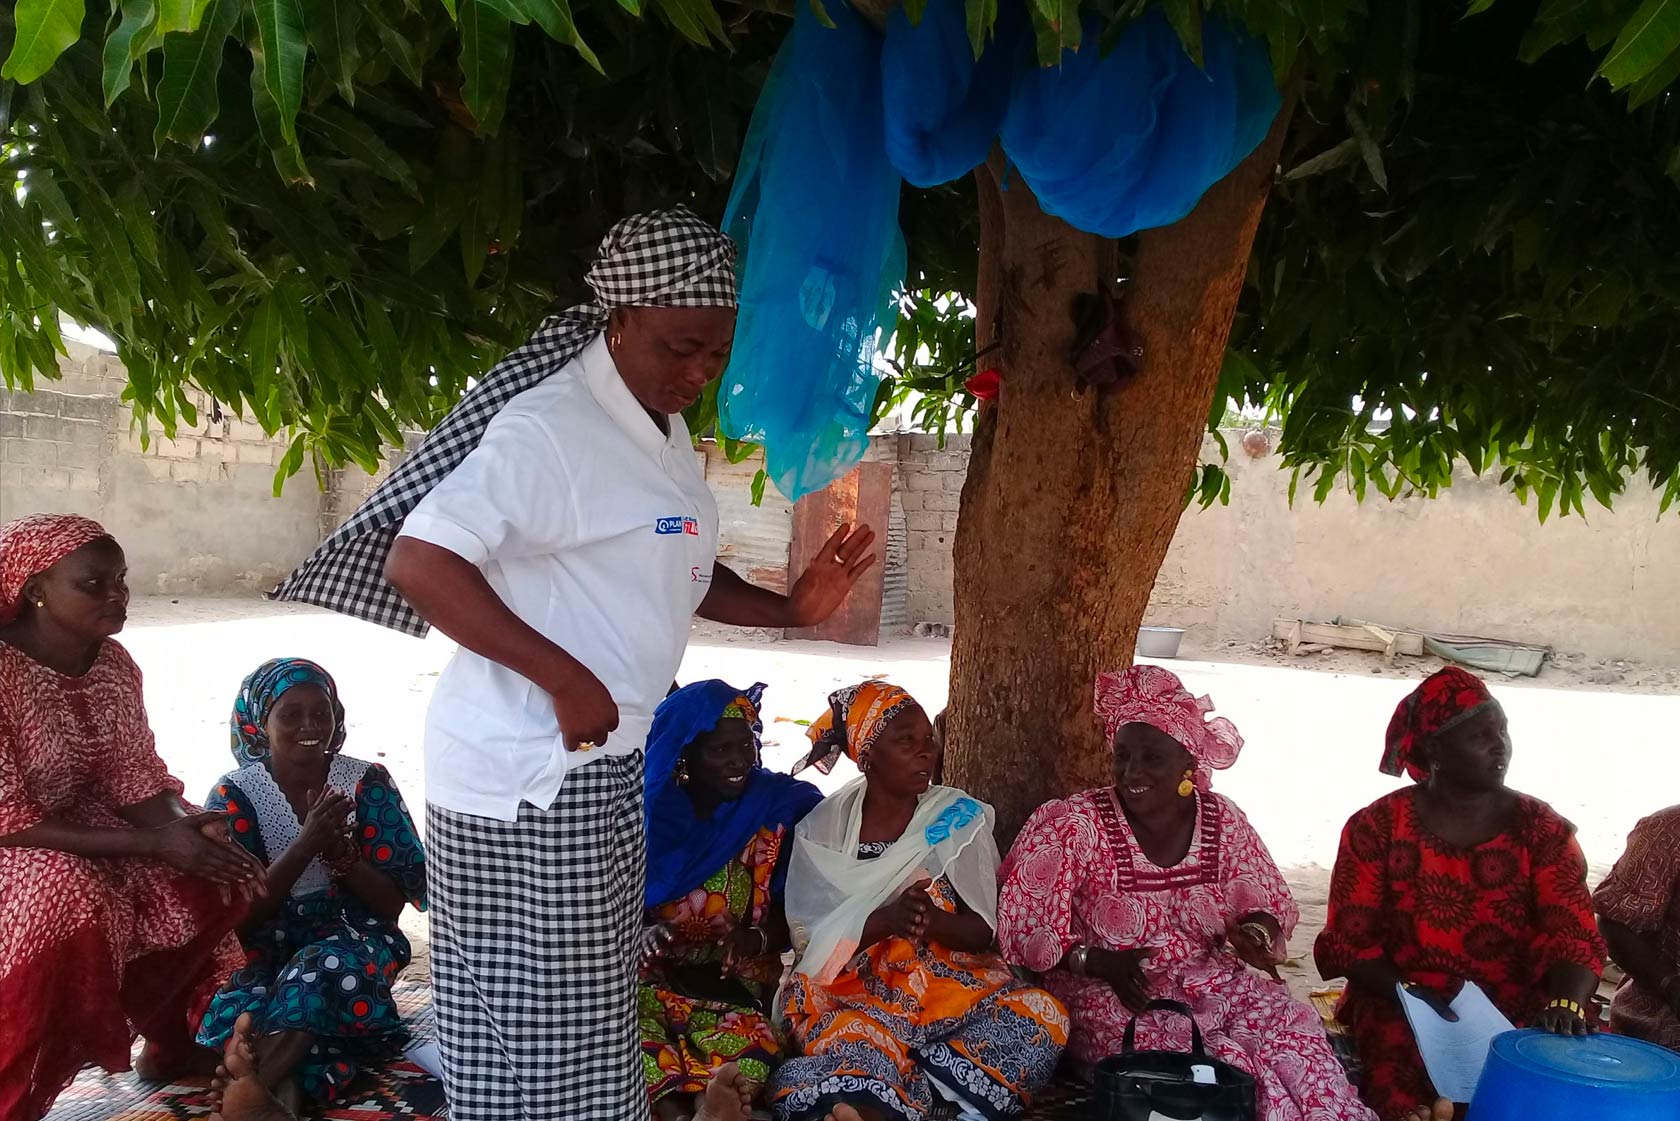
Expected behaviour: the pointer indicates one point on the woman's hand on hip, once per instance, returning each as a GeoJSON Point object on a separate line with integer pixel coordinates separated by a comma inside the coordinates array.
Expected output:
{"type": "Point", "coordinates": [185, 845]}
{"type": "Point", "coordinates": [585, 710]}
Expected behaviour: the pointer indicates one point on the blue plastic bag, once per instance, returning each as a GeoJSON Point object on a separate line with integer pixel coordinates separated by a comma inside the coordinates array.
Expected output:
{"type": "Point", "coordinates": [1131, 140]}
{"type": "Point", "coordinates": [815, 213]}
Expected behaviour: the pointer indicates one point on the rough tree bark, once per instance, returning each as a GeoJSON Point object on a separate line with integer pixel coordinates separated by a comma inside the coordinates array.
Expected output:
{"type": "Point", "coordinates": [1071, 500]}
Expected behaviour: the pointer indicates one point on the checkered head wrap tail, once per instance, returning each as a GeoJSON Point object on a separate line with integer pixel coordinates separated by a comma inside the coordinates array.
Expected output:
{"type": "Point", "coordinates": [667, 258]}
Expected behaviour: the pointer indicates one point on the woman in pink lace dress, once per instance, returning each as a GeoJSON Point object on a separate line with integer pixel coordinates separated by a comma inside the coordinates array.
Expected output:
{"type": "Point", "coordinates": [1157, 888]}
{"type": "Point", "coordinates": [117, 900]}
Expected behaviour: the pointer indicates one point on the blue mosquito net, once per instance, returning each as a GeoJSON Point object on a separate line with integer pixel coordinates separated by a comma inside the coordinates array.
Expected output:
{"type": "Point", "coordinates": [1129, 140]}
{"type": "Point", "coordinates": [815, 213]}
{"type": "Point", "coordinates": [944, 109]}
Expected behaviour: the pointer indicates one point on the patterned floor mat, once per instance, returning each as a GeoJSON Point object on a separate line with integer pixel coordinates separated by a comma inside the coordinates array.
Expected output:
{"type": "Point", "coordinates": [403, 1092]}
{"type": "Point", "coordinates": [399, 1092]}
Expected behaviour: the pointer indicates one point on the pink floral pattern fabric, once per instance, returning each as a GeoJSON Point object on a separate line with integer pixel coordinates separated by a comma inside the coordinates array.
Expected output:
{"type": "Point", "coordinates": [1155, 696]}
{"type": "Point", "coordinates": [1077, 875]}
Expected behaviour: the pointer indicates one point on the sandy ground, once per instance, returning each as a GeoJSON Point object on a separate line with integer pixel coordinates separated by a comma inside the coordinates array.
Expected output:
{"type": "Point", "coordinates": [1603, 754]}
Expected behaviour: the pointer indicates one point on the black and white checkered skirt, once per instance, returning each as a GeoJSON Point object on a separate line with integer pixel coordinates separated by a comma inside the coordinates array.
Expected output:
{"type": "Point", "coordinates": [534, 947]}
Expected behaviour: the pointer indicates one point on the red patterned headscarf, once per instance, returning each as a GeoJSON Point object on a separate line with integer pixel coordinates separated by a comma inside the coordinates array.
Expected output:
{"type": "Point", "coordinates": [1445, 700]}
{"type": "Point", "coordinates": [1155, 696]}
{"type": "Point", "coordinates": [34, 543]}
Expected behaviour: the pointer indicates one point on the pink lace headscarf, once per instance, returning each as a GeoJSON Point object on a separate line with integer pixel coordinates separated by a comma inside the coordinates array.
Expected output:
{"type": "Point", "coordinates": [1155, 696]}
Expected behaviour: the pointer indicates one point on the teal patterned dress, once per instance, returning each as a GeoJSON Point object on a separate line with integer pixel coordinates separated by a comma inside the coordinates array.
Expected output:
{"type": "Point", "coordinates": [322, 964]}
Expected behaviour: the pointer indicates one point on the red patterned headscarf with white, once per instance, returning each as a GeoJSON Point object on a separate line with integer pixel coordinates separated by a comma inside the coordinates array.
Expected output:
{"type": "Point", "coordinates": [1155, 696]}
{"type": "Point", "coordinates": [34, 543]}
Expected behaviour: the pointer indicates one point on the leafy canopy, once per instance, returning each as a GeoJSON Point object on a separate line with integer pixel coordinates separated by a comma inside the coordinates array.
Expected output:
{"type": "Point", "coordinates": [331, 216]}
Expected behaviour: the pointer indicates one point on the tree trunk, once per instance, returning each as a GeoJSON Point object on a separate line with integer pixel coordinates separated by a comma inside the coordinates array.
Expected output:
{"type": "Point", "coordinates": [1071, 500]}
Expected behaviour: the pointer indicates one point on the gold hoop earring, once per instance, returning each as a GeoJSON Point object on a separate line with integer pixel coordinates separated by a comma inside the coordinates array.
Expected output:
{"type": "Point", "coordinates": [615, 340]}
{"type": "Point", "coordinates": [1187, 787]}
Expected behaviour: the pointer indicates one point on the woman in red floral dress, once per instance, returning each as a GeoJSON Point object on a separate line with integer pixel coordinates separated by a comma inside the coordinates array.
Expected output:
{"type": "Point", "coordinates": [1456, 878]}
{"type": "Point", "coordinates": [117, 900]}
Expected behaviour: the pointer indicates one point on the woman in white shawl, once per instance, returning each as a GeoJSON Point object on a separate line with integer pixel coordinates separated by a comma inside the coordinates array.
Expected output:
{"type": "Point", "coordinates": [897, 994]}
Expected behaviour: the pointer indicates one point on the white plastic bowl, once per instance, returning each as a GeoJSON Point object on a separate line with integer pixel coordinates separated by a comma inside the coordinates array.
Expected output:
{"type": "Point", "coordinates": [1159, 642]}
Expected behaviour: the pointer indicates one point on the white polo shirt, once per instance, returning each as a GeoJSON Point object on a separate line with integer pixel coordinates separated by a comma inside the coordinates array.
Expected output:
{"type": "Point", "coordinates": [598, 531]}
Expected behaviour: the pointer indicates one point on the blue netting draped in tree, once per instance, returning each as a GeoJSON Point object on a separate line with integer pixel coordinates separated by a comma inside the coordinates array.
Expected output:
{"type": "Point", "coordinates": [944, 109]}
{"type": "Point", "coordinates": [1129, 140]}
{"type": "Point", "coordinates": [815, 212]}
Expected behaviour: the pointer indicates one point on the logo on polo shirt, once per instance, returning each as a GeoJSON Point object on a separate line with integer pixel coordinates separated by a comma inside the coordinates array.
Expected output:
{"type": "Point", "coordinates": [665, 527]}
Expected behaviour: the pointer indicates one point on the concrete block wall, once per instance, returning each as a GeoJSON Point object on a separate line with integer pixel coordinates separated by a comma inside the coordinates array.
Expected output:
{"type": "Point", "coordinates": [1470, 561]}
{"type": "Point", "coordinates": [194, 513]}
{"type": "Point", "coordinates": [931, 477]}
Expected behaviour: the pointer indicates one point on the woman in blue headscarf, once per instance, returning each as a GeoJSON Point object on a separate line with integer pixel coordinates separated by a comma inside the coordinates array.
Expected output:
{"type": "Point", "coordinates": [323, 948]}
{"type": "Point", "coordinates": [714, 931]}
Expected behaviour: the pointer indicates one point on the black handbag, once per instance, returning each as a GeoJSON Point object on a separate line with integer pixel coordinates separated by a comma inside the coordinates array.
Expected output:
{"type": "Point", "coordinates": [1172, 1085]}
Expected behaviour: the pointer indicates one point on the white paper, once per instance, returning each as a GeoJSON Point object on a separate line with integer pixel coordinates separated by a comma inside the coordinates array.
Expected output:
{"type": "Point", "coordinates": [425, 1056]}
{"type": "Point", "coordinates": [1454, 1052]}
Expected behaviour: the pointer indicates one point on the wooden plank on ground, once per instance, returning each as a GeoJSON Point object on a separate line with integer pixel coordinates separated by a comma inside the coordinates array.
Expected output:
{"type": "Point", "coordinates": [1298, 632]}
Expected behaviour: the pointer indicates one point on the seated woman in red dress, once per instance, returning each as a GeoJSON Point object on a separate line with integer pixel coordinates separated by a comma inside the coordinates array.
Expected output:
{"type": "Point", "coordinates": [117, 900]}
{"type": "Point", "coordinates": [1455, 878]}
{"type": "Point", "coordinates": [1639, 913]}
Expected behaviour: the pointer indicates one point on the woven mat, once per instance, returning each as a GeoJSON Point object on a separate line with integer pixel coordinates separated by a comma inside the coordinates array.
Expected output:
{"type": "Point", "coordinates": [397, 1091]}
{"type": "Point", "coordinates": [403, 1092]}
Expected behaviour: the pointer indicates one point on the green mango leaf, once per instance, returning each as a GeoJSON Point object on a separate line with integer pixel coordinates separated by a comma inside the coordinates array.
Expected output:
{"type": "Point", "coordinates": [271, 124]}
{"type": "Point", "coordinates": [634, 7]}
{"type": "Point", "coordinates": [758, 482]}
{"type": "Point", "coordinates": [555, 18]}
{"type": "Point", "coordinates": [1649, 37]}
{"type": "Point", "coordinates": [186, 95]}
{"type": "Point", "coordinates": [695, 20]}
{"type": "Point", "coordinates": [284, 50]}
{"type": "Point", "coordinates": [1186, 19]}
{"type": "Point", "coordinates": [821, 12]}
{"type": "Point", "coordinates": [43, 30]}
{"type": "Point", "coordinates": [486, 61]}
{"type": "Point", "coordinates": [180, 15]}
{"type": "Point", "coordinates": [1654, 83]}
{"type": "Point", "coordinates": [914, 10]}
{"type": "Point", "coordinates": [134, 35]}
{"type": "Point", "coordinates": [982, 14]}
{"type": "Point", "coordinates": [401, 50]}
{"type": "Point", "coordinates": [331, 27]}
{"type": "Point", "coordinates": [357, 140]}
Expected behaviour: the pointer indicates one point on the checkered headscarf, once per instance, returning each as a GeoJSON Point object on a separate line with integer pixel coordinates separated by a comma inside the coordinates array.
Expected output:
{"type": "Point", "coordinates": [667, 258]}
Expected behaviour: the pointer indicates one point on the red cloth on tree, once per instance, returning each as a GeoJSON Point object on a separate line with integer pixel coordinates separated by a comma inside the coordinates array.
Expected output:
{"type": "Point", "coordinates": [1501, 914]}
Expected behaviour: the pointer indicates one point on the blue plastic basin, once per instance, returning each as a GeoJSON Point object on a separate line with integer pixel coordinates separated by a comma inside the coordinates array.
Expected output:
{"type": "Point", "coordinates": [1537, 1076]}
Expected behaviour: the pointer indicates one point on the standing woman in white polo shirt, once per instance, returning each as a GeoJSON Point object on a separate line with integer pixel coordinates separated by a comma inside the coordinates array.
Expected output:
{"type": "Point", "coordinates": [558, 527]}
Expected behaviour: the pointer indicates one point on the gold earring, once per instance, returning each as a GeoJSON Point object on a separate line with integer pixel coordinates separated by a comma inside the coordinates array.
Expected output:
{"type": "Point", "coordinates": [1188, 786]}
{"type": "Point", "coordinates": [613, 340]}
{"type": "Point", "coordinates": [682, 773]}
{"type": "Point", "coordinates": [40, 603]}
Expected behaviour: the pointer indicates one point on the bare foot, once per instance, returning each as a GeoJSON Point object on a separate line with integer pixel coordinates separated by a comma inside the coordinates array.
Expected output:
{"type": "Point", "coordinates": [151, 1066]}
{"type": "Point", "coordinates": [238, 1093]}
{"type": "Point", "coordinates": [728, 1096]}
{"type": "Point", "coordinates": [1442, 1110]}
{"type": "Point", "coordinates": [844, 1113]}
